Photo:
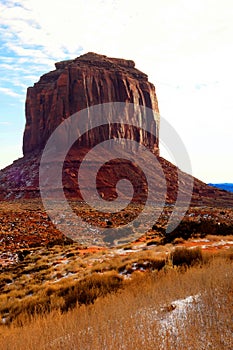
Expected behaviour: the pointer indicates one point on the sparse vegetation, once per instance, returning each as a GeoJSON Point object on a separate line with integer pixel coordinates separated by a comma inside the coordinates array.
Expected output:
{"type": "Point", "coordinates": [68, 296]}
{"type": "Point", "coordinates": [140, 315]}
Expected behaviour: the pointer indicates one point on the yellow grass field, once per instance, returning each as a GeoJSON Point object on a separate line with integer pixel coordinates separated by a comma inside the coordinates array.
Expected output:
{"type": "Point", "coordinates": [174, 308]}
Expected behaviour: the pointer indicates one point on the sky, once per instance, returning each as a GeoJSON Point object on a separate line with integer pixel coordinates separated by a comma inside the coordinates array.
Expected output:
{"type": "Point", "coordinates": [185, 47]}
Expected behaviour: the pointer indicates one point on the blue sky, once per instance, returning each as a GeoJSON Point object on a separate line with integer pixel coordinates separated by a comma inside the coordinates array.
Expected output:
{"type": "Point", "coordinates": [184, 46]}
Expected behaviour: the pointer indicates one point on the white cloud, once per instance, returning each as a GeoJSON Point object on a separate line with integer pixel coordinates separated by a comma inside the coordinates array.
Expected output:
{"type": "Point", "coordinates": [5, 123]}
{"type": "Point", "coordinates": [9, 92]}
{"type": "Point", "coordinates": [178, 33]}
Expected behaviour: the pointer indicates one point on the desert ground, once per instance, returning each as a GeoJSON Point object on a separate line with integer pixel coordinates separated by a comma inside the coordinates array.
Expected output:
{"type": "Point", "coordinates": [156, 292]}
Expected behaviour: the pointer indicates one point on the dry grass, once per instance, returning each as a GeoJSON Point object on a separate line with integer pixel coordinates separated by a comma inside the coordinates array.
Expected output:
{"type": "Point", "coordinates": [54, 279]}
{"type": "Point", "coordinates": [141, 316]}
{"type": "Point", "coordinates": [219, 238]}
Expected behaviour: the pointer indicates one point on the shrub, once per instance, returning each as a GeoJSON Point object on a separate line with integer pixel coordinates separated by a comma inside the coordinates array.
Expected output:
{"type": "Point", "coordinates": [187, 229]}
{"type": "Point", "coordinates": [178, 240]}
{"type": "Point", "coordinates": [89, 289]}
{"type": "Point", "coordinates": [188, 257]}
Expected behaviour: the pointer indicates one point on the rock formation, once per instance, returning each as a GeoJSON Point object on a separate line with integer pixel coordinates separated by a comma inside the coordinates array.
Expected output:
{"type": "Point", "coordinates": [89, 80]}
{"type": "Point", "coordinates": [77, 84]}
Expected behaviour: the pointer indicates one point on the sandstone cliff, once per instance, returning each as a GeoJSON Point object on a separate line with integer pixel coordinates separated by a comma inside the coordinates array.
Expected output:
{"type": "Point", "coordinates": [77, 84]}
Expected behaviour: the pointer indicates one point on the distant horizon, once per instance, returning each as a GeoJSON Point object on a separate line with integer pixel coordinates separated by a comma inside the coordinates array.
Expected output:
{"type": "Point", "coordinates": [221, 183]}
{"type": "Point", "coordinates": [228, 186]}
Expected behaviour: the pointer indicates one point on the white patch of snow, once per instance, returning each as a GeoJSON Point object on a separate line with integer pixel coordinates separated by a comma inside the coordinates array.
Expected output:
{"type": "Point", "coordinates": [201, 240]}
{"type": "Point", "coordinates": [177, 314]}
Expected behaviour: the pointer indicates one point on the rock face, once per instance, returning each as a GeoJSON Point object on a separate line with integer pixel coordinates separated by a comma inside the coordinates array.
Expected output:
{"type": "Point", "coordinates": [88, 80]}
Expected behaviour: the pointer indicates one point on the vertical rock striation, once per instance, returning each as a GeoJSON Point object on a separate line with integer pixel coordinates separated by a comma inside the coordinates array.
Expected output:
{"type": "Point", "coordinates": [77, 84]}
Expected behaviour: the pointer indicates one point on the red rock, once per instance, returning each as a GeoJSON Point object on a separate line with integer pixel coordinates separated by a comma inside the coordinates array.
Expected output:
{"type": "Point", "coordinates": [76, 84]}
